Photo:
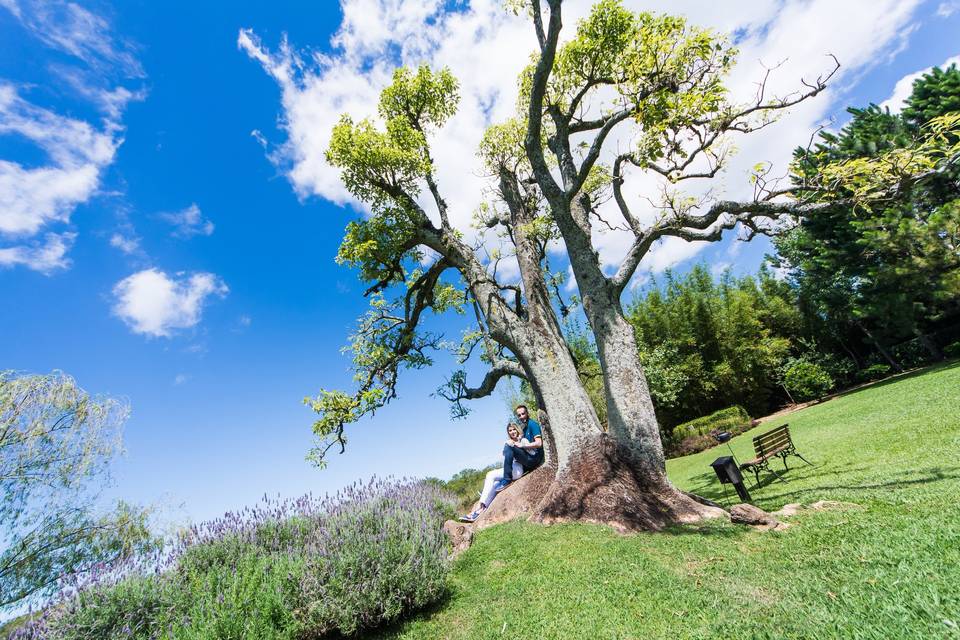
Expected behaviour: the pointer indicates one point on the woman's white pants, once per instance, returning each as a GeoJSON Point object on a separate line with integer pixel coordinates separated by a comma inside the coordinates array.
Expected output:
{"type": "Point", "coordinates": [494, 476]}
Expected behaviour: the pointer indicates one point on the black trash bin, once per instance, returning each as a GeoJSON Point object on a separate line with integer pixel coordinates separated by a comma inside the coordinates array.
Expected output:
{"type": "Point", "coordinates": [729, 473]}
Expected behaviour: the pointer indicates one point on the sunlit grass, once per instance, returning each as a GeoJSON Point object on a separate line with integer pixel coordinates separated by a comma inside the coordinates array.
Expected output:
{"type": "Point", "coordinates": [886, 568]}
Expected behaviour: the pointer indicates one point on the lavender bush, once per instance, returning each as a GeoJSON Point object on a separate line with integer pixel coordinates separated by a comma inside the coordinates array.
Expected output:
{"type": "Point", "coordinates": [290, 569]}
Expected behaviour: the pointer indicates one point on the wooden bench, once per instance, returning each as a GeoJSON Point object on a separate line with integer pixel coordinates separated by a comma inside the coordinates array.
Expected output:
{"type": "Point", "coordinates": [774, 443]}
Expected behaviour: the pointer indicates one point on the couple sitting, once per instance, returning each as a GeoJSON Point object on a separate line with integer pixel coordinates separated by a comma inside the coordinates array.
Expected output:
{"type": "Point", "coordinates": [522, 452]}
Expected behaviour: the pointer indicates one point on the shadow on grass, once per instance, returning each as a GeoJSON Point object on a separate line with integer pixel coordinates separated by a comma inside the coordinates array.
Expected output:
{"type": "Point", "coordinates": [708, 486]}
{"type": "Point", "coordinates": [927, 476]}
{"type": "Point", "coordinates": [721, 528]}
{"type": "Point", "coordinates": [397, 627]}
{"type": "Point", "coordinates": [772, 489]}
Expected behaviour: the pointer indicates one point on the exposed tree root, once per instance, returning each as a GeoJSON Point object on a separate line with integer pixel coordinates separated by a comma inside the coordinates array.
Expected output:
{"type": "Point", "coordinates": [601, 486]}
{"type": "Point", "coordinates": [520, 499]}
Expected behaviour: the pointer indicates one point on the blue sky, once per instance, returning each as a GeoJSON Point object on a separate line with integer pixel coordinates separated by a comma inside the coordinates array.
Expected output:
{"type": "Point", "coordinates": [168, 227]}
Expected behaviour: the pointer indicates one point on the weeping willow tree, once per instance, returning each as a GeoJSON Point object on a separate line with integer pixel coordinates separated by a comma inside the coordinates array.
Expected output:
{"type": "Point", "coordinates": [652, 79]}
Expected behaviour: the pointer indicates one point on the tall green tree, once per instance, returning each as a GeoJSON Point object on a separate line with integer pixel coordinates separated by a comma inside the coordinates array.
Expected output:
{"type": "Point", "coordinates": [708, 344]}
{"type": "Point", "coordinates": [56, 443]}
{"type": "Point", "coordinates": [885, 265]}
{"type": "Point", "coordinates": [653, 79]}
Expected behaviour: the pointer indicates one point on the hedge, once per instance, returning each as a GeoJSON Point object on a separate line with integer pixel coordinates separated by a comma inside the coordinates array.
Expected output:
{"type": "Point", "coordinates": [722, 420]}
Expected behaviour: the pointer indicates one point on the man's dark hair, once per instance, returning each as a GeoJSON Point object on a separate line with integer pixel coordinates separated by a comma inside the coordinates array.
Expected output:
{"type": "Point", "coordinates": [521, 406]}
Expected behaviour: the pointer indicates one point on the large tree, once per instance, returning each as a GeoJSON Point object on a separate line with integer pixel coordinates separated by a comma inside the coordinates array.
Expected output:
{"type": "Point", "coordinates": [651, 79]}
{"type": "Point", "coordinates": [889, 268]}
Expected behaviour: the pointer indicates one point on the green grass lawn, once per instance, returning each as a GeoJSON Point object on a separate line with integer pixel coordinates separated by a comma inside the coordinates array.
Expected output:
{"type": "Point", "coordinates": [888, 568]}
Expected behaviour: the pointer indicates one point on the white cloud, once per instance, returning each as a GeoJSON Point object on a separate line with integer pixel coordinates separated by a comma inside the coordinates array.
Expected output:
{"type": "Point", "coordinates": [45, 257]}
{"type": "Point", "coordinates": [154, 304]}
{"type": "Point", "coordinates": [188, 222]}
{"type": "Point", "coordinates": [904, 86]}
{"type": "Point", "coordinates": [126, 244]}
{"type": "Point", "coordinates": [486, 47]}
{"type": "Point", "coordinates": [36, 199]}
{"type": "Point", "coordinates": [179, 379]}
{"type": "Point", "coordinates": [947, 9]}
{"type": "Point", "coordinates": [71, 29]}
{"type": "Point", "coordinates": [31, 198]}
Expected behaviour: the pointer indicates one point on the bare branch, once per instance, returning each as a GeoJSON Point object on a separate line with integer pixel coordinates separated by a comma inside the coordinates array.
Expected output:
{"type": "Point", "coordinates": [595, 148]}
{"type": "Point", "coordinates": [538, 89]}
{"type": "Point", "coordinates": [455, 388]}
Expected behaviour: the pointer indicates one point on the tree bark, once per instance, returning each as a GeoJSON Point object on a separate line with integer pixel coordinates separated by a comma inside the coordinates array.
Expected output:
{"type": "Point", "coordinates": [592, 476]}
{"type": "Point", "coordinates": [880, 348]}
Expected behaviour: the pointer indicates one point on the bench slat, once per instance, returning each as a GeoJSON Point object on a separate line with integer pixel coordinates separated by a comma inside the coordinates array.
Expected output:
{"type": "Point", "coordinates": [772, 444]}
{"type": "Point", "coordinates": [776, 442]}
{"type": "Point", "coordinates": [779, 431]}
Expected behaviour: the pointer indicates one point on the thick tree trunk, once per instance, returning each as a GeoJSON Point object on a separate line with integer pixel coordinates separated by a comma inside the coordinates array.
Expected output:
{"type": "Point", "coordinates": [553, 375]}
{"type": "Point", "coordinates": [621, 477]}
{"type": "Point", "coordinates": [591, 476]}
{"type": "Point", "coordinates": [616, 478]}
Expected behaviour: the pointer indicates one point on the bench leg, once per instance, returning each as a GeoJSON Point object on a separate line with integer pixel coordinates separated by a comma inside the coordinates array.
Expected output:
{"type": "Point", "coordinates": [802, 458]}
{"type": "Point", "coordinates": [779, 477]}
{"type": "Point", "coordinates": [756, 475]}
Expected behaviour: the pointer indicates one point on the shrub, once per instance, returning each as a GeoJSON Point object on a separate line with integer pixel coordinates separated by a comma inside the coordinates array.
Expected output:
{"type": "Point", "coordinates": [374, 560]}
{"type": "Point", "coordinates": [723, 420]}
{"type": "Point", "coordinates": [873, 372]}
{"type": "Point", "coordinates": [843, 370]}
{"type": "Point", "coordinates": [135, 606]}
{"type": "Point", "coordinates": [911, 354]}
{"type": "Point", "coordinates": [806, 380]}
{"type": "Point", "coordinates": [695, 435]}
{"type": "Point", "coordinates": [289, 569]}
{"type": "Point", "coordinates": [952, 350]}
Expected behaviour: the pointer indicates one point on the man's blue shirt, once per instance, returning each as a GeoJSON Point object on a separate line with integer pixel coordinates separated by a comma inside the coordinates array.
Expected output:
{"type": "Point", "coordinates": [532, 430]}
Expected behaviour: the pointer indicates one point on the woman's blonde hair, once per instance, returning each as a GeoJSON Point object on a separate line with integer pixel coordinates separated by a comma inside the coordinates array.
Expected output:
{"type": "Point", "coordinates": [513, 425]}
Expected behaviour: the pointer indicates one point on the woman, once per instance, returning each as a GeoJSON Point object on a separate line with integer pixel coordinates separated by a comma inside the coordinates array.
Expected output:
{"type": "Point", "coordinates": [494, 476]}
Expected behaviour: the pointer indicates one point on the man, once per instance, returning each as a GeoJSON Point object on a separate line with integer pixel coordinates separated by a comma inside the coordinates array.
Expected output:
{"type": "Point", "coordinates": [528, 452]}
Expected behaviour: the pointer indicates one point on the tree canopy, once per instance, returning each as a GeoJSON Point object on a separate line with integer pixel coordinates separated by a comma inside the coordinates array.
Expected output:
{"type": "Point", "coordinates": [656, 77]}
{"type": "Point", "coordinates": [886, 257]}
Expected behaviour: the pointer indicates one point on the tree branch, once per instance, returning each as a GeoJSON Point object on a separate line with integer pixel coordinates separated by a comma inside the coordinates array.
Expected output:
{"type": "Point", "coordinates": [538, 89]}
{"type": "Point", "coordinates": [595, 148]}
{"type": "Point", "coordinates": [455, 389]}
{"type": "Point", "coordinates": [709, 226]}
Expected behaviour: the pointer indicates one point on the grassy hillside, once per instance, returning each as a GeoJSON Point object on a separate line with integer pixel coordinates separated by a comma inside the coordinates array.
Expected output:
{"type": "Point", "coordinates": [888, 568]}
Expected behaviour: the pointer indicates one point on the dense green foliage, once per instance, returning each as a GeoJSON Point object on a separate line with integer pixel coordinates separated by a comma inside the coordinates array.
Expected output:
{"type": "Point", "coordinates": [888, 567]}
{"type": "Point", "coordinates": [886, 268]}
{"type": "Point", "coordinates": [806, 380]}
{"type": "Point", "coordinates": [296, 569]}
{"type": "Point", "coordinates": [706, 345]}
